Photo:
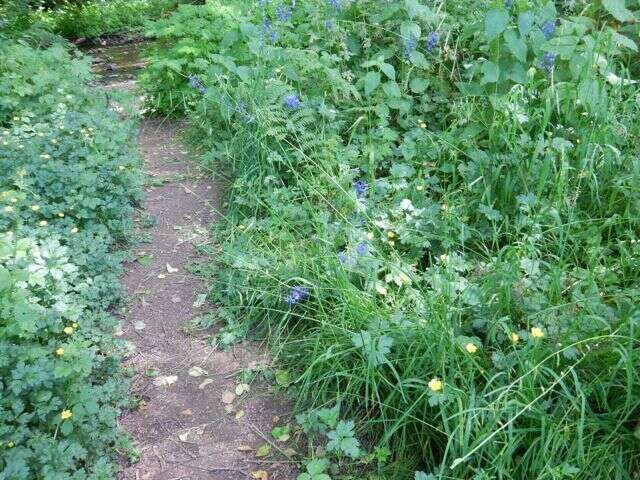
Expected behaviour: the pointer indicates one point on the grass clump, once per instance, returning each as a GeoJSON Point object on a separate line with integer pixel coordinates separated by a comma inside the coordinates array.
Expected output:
{"type": "Point", "coordinates": [434, 220]}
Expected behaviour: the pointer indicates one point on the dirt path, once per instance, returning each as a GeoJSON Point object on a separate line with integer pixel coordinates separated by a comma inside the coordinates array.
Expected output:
{"type": "Point", "coordinates": [190, 424]}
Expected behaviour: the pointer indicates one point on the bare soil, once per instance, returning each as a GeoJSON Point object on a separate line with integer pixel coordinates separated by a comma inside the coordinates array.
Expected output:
{"type": "Point", "coordinates": [191, 423]}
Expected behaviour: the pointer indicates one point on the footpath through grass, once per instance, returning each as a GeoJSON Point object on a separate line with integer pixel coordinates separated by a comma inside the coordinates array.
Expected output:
{"type": "Point", "coordinates": [434, 218]}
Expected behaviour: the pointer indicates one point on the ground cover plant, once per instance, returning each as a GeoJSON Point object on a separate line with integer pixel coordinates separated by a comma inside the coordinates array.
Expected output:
{"type": "Point", "coordinates": [70, 178]}
{"type": "Point", "coordinates": [433, 217]}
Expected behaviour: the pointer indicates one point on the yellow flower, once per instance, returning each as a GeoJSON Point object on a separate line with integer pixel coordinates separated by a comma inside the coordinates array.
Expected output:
{"type": "Point", "coordinates": [471, 348]}
{"type": "Point", "coordinates": [61, 215]}
{"type": "Point", "coordinates": [515, 338]}
{"type": "Point", "coordinates": [420, 188]}
{"type": "Point", "coordinates": [435, 384]}
{"type": "Point", "coordinates": [121, 167]}
{"type": "Point", "coordinates": [391, 234]}
{"type": "Point", "coordinates": [11, 445]}
{"type": "Point", "coordinates": [391, 242]}
{"type": "Point", "coordinates": [74, 230]}
{"type": "Point", "coordinates": [43, 223]}
{"type": "Point", "coordinates": [75, 325]}
{"type": "Point", "coordinates": [35, 208]}
{"type": "Point", "coordinates": [60, 352]}
{"type": "Point", "coordinates": [14, 200]}
{"type": "Point", "coordinates": [68, 330]}
{"type": "Point", "coordinates": [8, 209]}
{"type": "Point", "coordinates": [66, 414]}
{"type": "Point", "coordinates": [537, 332]}
{"type": "Point", "coordinates": [370, 235]}
{"type": "Point", "coordinates": [381, 289]}
{"type": "Point", "coordinates": [423, 125]}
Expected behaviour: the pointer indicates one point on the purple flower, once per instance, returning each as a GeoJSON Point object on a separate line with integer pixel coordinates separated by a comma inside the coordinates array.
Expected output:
{"type": "Point", "coordinates": [362, 248]}
{"type": "Point", "coordinates": [548, 61]}
{"type": "Point", "coordinates": [409, 46]}
{"type": "Point", "coordinates": [194, 82]}
{"type": "Point", "coordinates": [342, 256]}
{"type": "Point", "coordinates": [328, 24]}
{"type": "Point", "coordinates": [283, 14]}
{"type": "Point", "coordinates": [291, 101]}
{"type": "Point", "coordinates": [297, 294]}
{"type": "Point", "coordinates": [268, 30]}
{"type": "Point", "coordinates": [549, 28]}
{"type": "Point", "coordinates": [432, 41]}
{"type": "Point", "coordinates": [334, 4]}
{"type": "Point", "coordinates": [361, 187]}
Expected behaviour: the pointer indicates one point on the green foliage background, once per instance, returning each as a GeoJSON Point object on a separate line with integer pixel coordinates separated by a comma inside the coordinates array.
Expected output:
{"type": "Point", "coordinates": [495, 248]}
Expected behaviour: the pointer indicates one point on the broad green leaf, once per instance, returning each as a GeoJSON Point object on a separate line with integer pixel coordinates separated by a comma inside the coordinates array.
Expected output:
{"type": "Point", "coordinates": [418, 85]}
{"type": "Point", "coordinates": [490, 73]}
{"type": "Point", "coordinates": [516, 45]}
{"type": "Point", "coordinates": [317, 466]}
{"type": "Point", "coordinates": [418, 59]}
{"type": "Point", "coordinates": [410, 30]}
{"type": "Point", "coordinates": [5, 278]}
{"type": "Point", "coordinates": [371, 82]}
{"type": "Point", "coordinates": [415, 9]}
{"type": "Point", "coordinates": [391, 89]}
{"type": "Point", "coordinates": [619, 10]}
{"type": "Point", "coordinates": [525, 22]}
{"type": "Point", "coordinates": [388, 70]}
{"type": "Point", "coordinates": [623, 41]}
{"type": "Point", "coordinates": [495, 22]}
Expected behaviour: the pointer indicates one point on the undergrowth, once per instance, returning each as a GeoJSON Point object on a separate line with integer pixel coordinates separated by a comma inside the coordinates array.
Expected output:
{"type": "Point", "coordinates": [433, 218]}
{"type": "Point", "coordinates": [70, 178]}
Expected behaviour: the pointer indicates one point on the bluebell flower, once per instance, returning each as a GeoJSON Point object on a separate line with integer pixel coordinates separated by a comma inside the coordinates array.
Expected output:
{"type": "Point", "coordinates": [291, 101]}
{"type": "Point", "coordinates": [409, 46]}
{"type": "Point", "coordinates": [362, 248]}
{"type": "Point", "coordinates": [328, 24]}
{"type": "Point", "coordinates": [269, 31]}
{"type": "Point", "coordinates": [342, 256]}
{"type": "Point", "coordinates": [549, 28]}
{"type": "Point", "coordinates": [361, 187]}
{"type": "Point", "coordinates": [194, 82]}
{"type": "Point", "coordinates": [263, 3]}
{"type": "Point", "coordinates": [548, 61]}
{"type": "Point", "coordinates": [283, 14]}
{"type": "Point", "coordinates": [334, 4]}
{"type": "Point", "coordinates": [432, 41]}
{"type": "Point", "coordinates": [297, 294]}
{"type": "Point", "coordinates": [508, 3]}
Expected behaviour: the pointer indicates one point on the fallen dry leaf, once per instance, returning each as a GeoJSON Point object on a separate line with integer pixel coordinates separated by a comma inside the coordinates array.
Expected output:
{"type": "Point", "coordinates": [245, 448]}
{"type": "Point", "coordinates": [187, 412]}
{"type": "Point", "coordinates": [260, 475]}
{"type": "Point", "coordinates": [263, 450]}
{"type": "Point", "coordinates": [228, 397]}
{"type": "Point", "coordinates": [162, 275]}
{"type": "Point", "coordinates": [165, 380]}
{"type": "Point", "coordinates": [197, 371]}
{"type": "Point", "coordinates": [139, 325]}
{"type": "Point", "coordinates": [241, 388]}
{"type": "Point", "coordinates": [239, 414]}
{"type": "Point", "coordinates": [229, 408]}
{"type": "Point", "coordinates": [205, 383]}
{"type": "Point", "coordinates": [170, 269]}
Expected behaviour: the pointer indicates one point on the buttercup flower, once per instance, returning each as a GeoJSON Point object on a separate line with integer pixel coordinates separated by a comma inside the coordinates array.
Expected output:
{"type": "Point", "coordinates": [43, 223]}
{"type": "Point", "coordinates": [537, 332]}
{"type": "Point", "coordinates": [8, 209]}
{"type": "Point", "coordinates": [60, 351]}
{"type": "Point", "coordinates": [35, 208]}
{"type": "Point", "coordinates": [65, 414]}
{"type": "Point", "coordinates": [515, 338]}
{"type": "Point", "coordinates": [68, 330]}
{"type": "Point", "coordinates": [471, 348]}
{"type": "Point", "coordinates": [435, 384]}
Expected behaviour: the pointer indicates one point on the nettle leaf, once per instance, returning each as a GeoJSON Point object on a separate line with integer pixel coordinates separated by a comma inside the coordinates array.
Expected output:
{"type": "Point", "coordinates": [371, 82]}
{"type": "Point", "coordinates": [619, 10]}
{"type": "Point", "coordinates": [418, 85]}
{"type": "Point", "coordinates": [525, 22]}
{"type": "Point", "coordinates": [415, 9]}
{"type": "Point", "coordinates": [495, 22]}
{"type": "Point", "coordinates": [401, 170]}
{"type": "Point", "coordinates": [392, 89]}
{"type": "Point", "coordinates": [623, 41]}
{"type": "Point", "coordinates": [418, 59]}
{"type": "Point", "coordinates": [388, 70]}
{"type": "Point", "coordinates": [490, 73]}
{"type": "Point", "coordinates": [410, 30]}
{"type": "Point", "coordinates": [516, 45]}
{"type": "Point", "coordinates": [317, 466]}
